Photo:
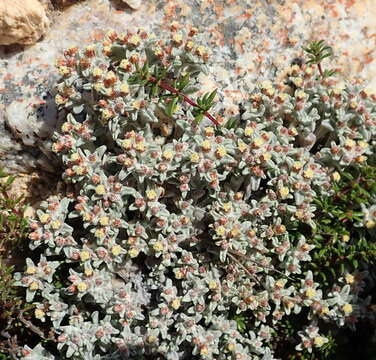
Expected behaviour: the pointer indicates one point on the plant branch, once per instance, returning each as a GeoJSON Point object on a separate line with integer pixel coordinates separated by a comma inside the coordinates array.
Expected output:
{"type": "Point", "coordinates": [171, 89]}
{"type": "Point", "coordinates": [244, 268]}
{"type": "Point", "coordinates": [237, 253]}
{"type": "Point", "coordinates": [31, 326]}
{"type": "Point", "coordinates": [320, 69]}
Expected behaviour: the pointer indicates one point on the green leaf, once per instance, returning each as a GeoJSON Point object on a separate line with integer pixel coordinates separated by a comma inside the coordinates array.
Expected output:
{"type": "Point", "coordinates": [212, 96]}
{"type": "Point", "coordinates": [198, 118]}
{"type": "Point", "coordinates": [171, 107]}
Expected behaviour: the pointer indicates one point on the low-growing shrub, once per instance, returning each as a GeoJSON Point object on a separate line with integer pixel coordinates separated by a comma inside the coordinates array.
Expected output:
{"type": "Point", "coordinates": [345, 250]}
{"type": "Point", "coordinates": [179, 239]}
{"type": "Point", "coordinates": [13, 232]}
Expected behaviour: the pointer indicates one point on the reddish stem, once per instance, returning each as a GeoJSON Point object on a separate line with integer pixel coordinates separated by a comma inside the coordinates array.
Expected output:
{"type": "Point", "coordinates": [320, 69]}
{"type": "Point", "coordinates": [171, 89]}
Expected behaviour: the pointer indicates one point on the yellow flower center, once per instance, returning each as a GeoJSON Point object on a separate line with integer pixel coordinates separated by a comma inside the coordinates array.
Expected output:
{"type": "Point", "coordinates": [82, 286]}
{"type": "Point", "coordinates": [116, 250]}
{"type": "Point", "coordinates": [242, 146]}
{"type": "Point", "coordinates": [195, 158]}
{"type": "Point", "coordinates": [298, 81]}
{"type": "Point", "coordinates": [363, 144]}
{"type": "Point", "coordinates": [310, 293]}
{"type": "Point", "coordinates": [258, 142]}
{"type": "Point", "coordinates": [209, 131]}
{"type": "Point", "coordinates": [266, 84]}
{"type": "Point", "coordinates": [201, 50]}
{"type": "Point", "coordinates": [88, 272]}
{"type": "Point", "coordinates": [370, 224]}
{"type": "Point", "coordinates": [319, 341]}
{"type": "Point", "coordinates": [347, 309]}
{"type": "Point", "coordinates": [34, 286]}
{"type": "Point", "coordinates": [84, 255]}
{"type": "Point", "coordinates": [31, 270]}
{"type": "Point", "coordinates": [350, 143]}
{"type": "Point", "coordinates": [231, 347]}
{"type": "Point", "coordinates": [99, 233]}
{"type": "Point", "coordinates": [56, 224]}
{"type": "Point", "coordinates": [134, 40]}
{"type": "Point", "coordinates": [221, 152]}
{"type": "Point", "coordinates": [248, 131]}
{"type": "Point", "coordinates": [124, 88]}
{"type": "Point", "coordinates": [227, 207]}
{"type": "Point", "coordinates": [220, 230]}
{"type": "Point", "coordinates": [345, 238]}
{"type": "Point", "coordinates": [104, 220]}
{"type": "Point", "coordinates": [204, 351]}
{"type": "Point", "coordinates": [336, 176]}
{"type": "Point", "coordinates": [179, 274]}
{"type": "Point", "coordinates": [266, 156]}
{"type": "Point", "coordinates": [297, 165]}
{"type": "Point", "coordinates": [206, 145]}
{"type": "Point", "coordinates": [100, 189]}
{"type": "Point", "coordinates": [235, 232]}
{"type": "Point", "coordinates": [158, 246]}
{"type": "Point", "coordinates": [106, 114]}
{"type": "Point", "coordinates": [167, 155]}
{"type": "Point", "coordinates": [44, 218]}
{"type": "Point", "coordinates": [133, 252]}
{"type": "Point", "coordinates": [283, 192]}
{"type": "Point", "coordinates": [151, 339]}
{"type": "Point", "coordinates": [124, 64]}
{"type": "Point", "coordinates": [86, 217]}
{"type": "Point", "coordinates": [325, 310]}
{"type": "Point", "coordinates": [151, 195]}
{"type": "Point", "coordinates": [140, 146]}
{"type": "Point", "coordinates": [175, 304]}
{"type": "Point", "coordinates": [97, 72]}
{"type": "Point", "coordinates": [308, 174]}
{"type": "Point", "coordinates": [177, 37]}
{"type": "Point", "coordinates": [39, 314]}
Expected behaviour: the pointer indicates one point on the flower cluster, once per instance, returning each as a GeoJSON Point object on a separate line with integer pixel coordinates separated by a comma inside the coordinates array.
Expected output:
{"type": "Point", "coordinates": [175, 228]}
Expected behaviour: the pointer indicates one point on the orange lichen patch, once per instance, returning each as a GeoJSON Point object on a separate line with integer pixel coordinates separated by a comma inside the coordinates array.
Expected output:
{"type": "Point", "coordinates": [206, 5]}
{"type": "Point", "coordinates": [245, 15]}
{"type": "Point", "coordinates": [314, 7]}
{"type": "Point", "coordinates": [97, 35]}
{"type": "Point", "coordinates": [266, 44]}
{"type": "Point", "coordinates": [368, 58]}
{"type": "Point", "coordinates": [8, 76]}
{"type": "Point", "coordinates": [349, 3]}
{"type": "Point", "coordinates": [218, 37]}
{"type": "Point", "coordinates": [170, 10]}
{"type": "Point", "coordinates": [331, 9]}
{"type": "Point", "coordinates": [219, 10]}
{"type": "Point", "coordinates": [365, 8]}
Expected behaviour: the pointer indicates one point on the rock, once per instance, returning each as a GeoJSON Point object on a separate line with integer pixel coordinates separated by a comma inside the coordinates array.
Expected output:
{"type": "Point", "coordinates": [22, 22]}
{"type": "Point", "coordinates": [134, 4]}
{"type": "Point", "coordinates": [62, 3]}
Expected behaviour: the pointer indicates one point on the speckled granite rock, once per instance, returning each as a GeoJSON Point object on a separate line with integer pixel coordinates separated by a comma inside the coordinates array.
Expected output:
{"type": "Point", "coordinates": [134, 4]}
{"type": "Point", "coordinates": [251, 40]}
{"type": "Point", "coordinates": [22, 22]}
